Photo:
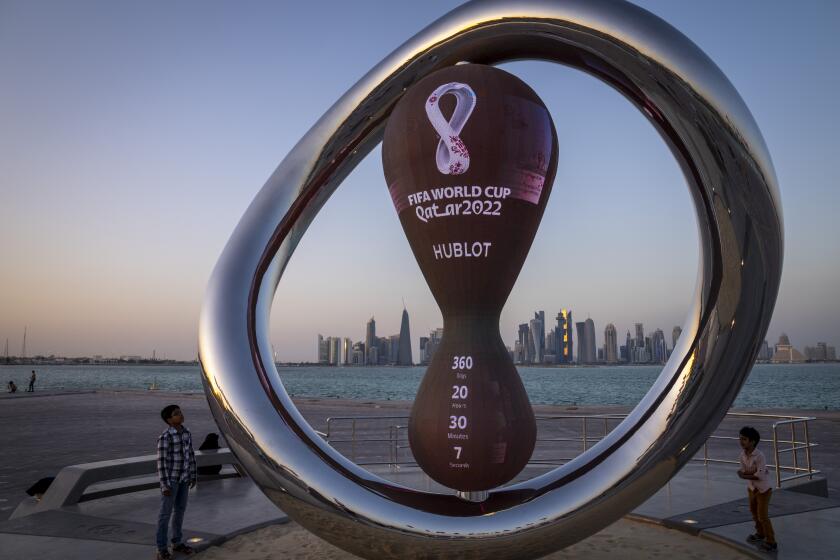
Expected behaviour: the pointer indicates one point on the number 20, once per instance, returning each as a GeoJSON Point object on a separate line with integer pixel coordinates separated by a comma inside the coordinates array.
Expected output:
{"type": "Point", "coordinates": [459, 392]}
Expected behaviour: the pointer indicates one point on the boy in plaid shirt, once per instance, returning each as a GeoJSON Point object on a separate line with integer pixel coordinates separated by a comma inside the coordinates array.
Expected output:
{"type": "Point", "coordinates": [177, 473]}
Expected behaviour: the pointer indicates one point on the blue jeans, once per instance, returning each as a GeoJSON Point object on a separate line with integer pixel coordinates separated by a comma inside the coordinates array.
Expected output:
{"type": "Point", "coordinates": [177, 501]}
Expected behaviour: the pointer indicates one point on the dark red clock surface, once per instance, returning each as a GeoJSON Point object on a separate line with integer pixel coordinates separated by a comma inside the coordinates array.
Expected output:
{"type": "Point", "coordinates": [470, 154]}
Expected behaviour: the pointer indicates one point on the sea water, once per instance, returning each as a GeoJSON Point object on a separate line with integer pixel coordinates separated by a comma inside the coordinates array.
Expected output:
{"type": "Point", "coordinates": [812, 386]}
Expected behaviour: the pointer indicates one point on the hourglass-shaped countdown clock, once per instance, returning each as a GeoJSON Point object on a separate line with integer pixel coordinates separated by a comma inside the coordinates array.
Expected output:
{"type": "Point", "coordinates": [470, 154]}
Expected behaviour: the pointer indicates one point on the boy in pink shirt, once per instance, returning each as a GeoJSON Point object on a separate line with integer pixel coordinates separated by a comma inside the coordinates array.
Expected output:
{"type": "Point", "coordinates": [754, 471]}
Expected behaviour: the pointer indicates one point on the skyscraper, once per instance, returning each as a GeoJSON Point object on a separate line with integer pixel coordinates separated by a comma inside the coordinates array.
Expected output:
{"type": "Point", "coordinates": [675, 335]}
{"type": "Point", "coordinates": [358, 354]}
{"type": "Point", "coordinates": [424, 340]}
{"type": "Point", "coordinates": [640, 335]}
{"type": "Point", "coordinates": [785, 352]}
{"type": "Point", "coordinates": [586, 353]}
{"type": "Point", "coordinates": [370, 339]}
{"type": "Point", "coordinates": [383, 346]}
{"type": "Point", "coordinates": [563, 338]}
{"type": "Point", "coordinates": [589, 332]}
{"type": "Point", "coordinates": [334, 344]}
{"type": "Point", "coordinates": [641, 349]}
{"type": "Point", "coordinates": [347, 352]}
{"type": "Point", "coordinates": [517, 352]}
{"type": "Point", "coordinates": [524, 342]}
{"type": "Point", "coordinates": [550, 347]}
{"type": "Point", "coordinates": [323, 350]}
{"type": "Point", "coordinates": [610, 344]}
{"type": "Point", "coordinates": [404, 354]}
{"type": "Point", "coordinates": [581, 348]}
{"type": "Point", "coordinates": [393, 349]}
{"type": "Point", "coordinates": [431, 345]}
{"type": "Point", "coordinates": [537, 337]}
{"type": "Point", "coordinates": [659, 352]}
{"type": "Point", "coordinates": [630, 348]}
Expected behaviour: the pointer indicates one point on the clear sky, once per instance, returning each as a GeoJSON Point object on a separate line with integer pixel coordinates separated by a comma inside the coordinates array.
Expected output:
{"type": "Point", "coordinates": [133, 135]}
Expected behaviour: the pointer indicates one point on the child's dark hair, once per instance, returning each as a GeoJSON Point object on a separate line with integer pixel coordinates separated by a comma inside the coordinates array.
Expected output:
{"type": "Point", "coordinates": [751, 434]}
{"type": "Point", "coordinates": [167, 411]}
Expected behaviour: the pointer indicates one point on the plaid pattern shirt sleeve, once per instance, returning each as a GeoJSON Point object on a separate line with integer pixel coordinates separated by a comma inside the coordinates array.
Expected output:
{"type": "Point", "coordinates": [191, 458]}
{"type": "Point", "coordinates": [163, 459]}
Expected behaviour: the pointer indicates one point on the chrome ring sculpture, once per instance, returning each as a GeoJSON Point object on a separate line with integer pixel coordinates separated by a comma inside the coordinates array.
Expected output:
{"type": "Point", "coordinates": [731, 179]}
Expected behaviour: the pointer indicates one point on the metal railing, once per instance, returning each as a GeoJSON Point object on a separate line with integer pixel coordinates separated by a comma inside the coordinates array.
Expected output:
{"type": "Point", "coordinates": [779, 422]}
{"type": "Point", "coordinates": [586, 430]}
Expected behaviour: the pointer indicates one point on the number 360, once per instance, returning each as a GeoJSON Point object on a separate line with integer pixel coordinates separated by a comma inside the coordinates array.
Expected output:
{"type": "Point", "coordinates": [462, 362]}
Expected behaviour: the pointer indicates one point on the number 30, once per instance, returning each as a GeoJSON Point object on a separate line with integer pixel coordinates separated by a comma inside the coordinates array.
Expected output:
{"type": "Point", "coordinates": [459, 422]}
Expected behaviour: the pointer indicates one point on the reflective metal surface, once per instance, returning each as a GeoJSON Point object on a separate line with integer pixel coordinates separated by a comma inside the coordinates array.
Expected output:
{"type": "Point", "coordinates": [730, 176]}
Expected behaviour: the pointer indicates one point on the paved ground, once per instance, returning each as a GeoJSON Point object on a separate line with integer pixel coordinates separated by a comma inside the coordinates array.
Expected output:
{"type": "Point", "coordinates": [43, 433]}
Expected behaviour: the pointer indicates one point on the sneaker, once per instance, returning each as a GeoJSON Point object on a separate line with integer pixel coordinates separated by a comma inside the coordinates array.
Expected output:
{"type": "Point", "coordinates": [164, 555]}
{"type": "Point", "coordinates": [755, 537]}
{"type": "Point", "coordinates": [182, 548]}
{"type": "Point", "coordinates": [768, 547]}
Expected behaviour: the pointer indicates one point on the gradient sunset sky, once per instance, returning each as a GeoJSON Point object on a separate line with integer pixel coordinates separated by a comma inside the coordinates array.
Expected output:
{"type": "Point", "coordinates": [134, 135]}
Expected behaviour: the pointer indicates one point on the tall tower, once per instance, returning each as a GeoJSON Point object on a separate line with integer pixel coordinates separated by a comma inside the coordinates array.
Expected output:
{"type": "Point", "coordinates": [424, 342]}
{"type": "Point", "coordinates": [524, 335]}
{"type": "Point", "coordinates": [563, 338]}
{"type": "Point", "coordinates": [334, 345]}
{"type": "Point", "coordinates": [640, 335]}
{"type": "Point", "coordinates": [346, 351]}
{"type": "Point", "coordinates": [589, 333]}
{"type": "Point", "coordinates": [581, 349]}
{"type": "Point", "coordinates": [370, 338]}
{"type": "Point", "coordinates": [538, 336]}
{"type": "Point", "coordinates": [630, 348]}
{"type": "Point", "coordinates": [659, 353]}
{"type": "Point", "coordinates": [319, 344]}
{"type": "Point", "coordinates": [404, 353]}
{"type": "Point", "coordinates": [610, 344]}
{"type": "Point", "coordinates": [675, 334]}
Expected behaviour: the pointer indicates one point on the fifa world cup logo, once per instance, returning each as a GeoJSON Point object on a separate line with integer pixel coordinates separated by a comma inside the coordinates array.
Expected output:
{"type": "Point", "coordinates": [451, 156]}
{"type": "Point", "coordinates": [470, 216]}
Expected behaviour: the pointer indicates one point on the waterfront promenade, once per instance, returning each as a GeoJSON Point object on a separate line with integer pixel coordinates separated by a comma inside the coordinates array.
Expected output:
{"type": "Point", "coordinates": [46, 432]}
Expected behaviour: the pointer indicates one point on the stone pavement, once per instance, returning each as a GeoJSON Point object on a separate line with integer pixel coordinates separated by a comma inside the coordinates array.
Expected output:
{"type": "Point", "coordinates": [697, 501]}
{"type": "Point", "coordinates": [48, 432]}
{"type": "Point", "coordinates": [124, 526]}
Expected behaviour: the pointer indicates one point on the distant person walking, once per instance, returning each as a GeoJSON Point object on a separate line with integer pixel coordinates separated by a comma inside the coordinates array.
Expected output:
{"type": "Point", "coordinates": [177, 474]}
{"type": "Point", "coordinates": [754, 471]}
{"type": "Point", "coordinates": [31, 388]}
{"type": "Point", "coordinates": [11, 387]}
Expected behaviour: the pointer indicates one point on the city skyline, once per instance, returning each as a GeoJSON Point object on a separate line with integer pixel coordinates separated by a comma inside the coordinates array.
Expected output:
{"type": "Point", "coordinates": [821, 351]}
{"type": "Point", "coordinates": [134, 137]}
{"type": "Point", "coordinates": [655, 348]}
